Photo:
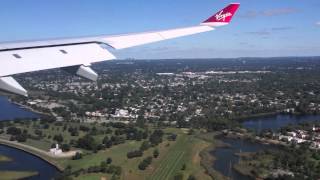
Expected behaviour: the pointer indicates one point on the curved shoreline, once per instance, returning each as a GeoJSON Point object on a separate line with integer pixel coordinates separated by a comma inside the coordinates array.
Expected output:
{"type": "Point", "coordinates": [31, 152]}
{"type": "Point", "coordinates": [26, 107]}
{"type": "Point", "coordinates": [254, 116]}
{"type": "Point", "coordinates": [207, 159]}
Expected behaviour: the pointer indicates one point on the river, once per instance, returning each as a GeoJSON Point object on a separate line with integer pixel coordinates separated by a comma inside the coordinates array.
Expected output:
{"type": "Point", "coordinates": [22, 161]}
{"type": "Point", "coordinates": [226, 157]}
{"type": "Point", "coordinates": [9, 111]}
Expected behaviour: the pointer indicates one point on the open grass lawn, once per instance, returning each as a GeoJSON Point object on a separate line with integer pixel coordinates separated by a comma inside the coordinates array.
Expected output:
{"type": "Point", "coordinates": [117, 153]}
{"type": "Point", "coordinates": [9, 175]}
{"type": "Point", "coordinates": [43, 144]}
{"type": "Point", "coordinates": [173, 160]}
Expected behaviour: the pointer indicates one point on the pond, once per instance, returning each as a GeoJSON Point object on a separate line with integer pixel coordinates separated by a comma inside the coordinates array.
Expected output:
{"type": "Point", "coordinates": [226, 157]}
{"type": "Point", "coordinates": [276, 122]}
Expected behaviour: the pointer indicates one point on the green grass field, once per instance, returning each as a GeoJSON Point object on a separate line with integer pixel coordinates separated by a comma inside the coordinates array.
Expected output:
{"type": "Point", "coordinates": [185, 151]}
{"type": "Point", "coordinates": [117, 153]}
{"type": "Point", "coordinates": [172, 162]}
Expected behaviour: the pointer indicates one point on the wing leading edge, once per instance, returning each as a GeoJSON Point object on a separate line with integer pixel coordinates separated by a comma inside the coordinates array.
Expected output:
{"type": "Point", "coordinates": [78, 53]}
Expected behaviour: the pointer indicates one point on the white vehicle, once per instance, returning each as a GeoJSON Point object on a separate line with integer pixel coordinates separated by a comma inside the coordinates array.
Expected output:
{"type": "Point", "coordinates": [75, 55]}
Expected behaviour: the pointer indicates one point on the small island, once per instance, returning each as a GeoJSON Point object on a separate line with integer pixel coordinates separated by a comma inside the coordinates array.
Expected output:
{"type": "Point", "coordinates": [4, 158]}
{"type": "Point", "coordinates": [14, 174]}
{"type": "Point", "coordinates": [17, 174]}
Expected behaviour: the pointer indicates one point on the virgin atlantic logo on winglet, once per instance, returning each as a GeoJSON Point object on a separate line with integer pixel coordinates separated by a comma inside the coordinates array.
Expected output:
{"type": "Point", "coordinates": [222, 17]}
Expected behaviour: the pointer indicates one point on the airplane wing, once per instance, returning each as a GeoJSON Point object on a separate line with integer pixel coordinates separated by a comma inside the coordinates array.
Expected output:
{"type": "Point", "coordinates": [75, 55]}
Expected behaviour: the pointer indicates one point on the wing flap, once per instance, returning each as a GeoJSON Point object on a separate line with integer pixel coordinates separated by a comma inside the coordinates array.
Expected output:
{"type": "Point", "coordinates": [27, 60]}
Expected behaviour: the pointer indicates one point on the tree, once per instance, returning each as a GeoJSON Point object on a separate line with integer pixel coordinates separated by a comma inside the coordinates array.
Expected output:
{"type": "Point", "coordinates": [156, 137]}
{"type": "Point", "coordinates": [73, 131]}
{"type": "Point", "coordinates": [87, 142]}
{"type": "Point", "coordinates": [156, 153]}
{"type": "Point", "coordinates": [183, 167]}
{"type": "Point", "coordinates": [38, 132]}
{"type": "Point", "coordinates": [21, 137]}
{"type": "Point", "coordinates": [140, 121]}
{"type": "Point", "coordinates": [190, 132]}
{"type": "Point", "coordinates": [144, 146]}
{"type": "Point", "coordinates": [178, 176]}
{"type": "Point", "coordinates": [142, 165]}
{"type": "Point", "coordinates": [145, 163]}
{"type": "Point", "coordinates": [14, 131]}
{"type": "Point", "coordinates": [105, 140]}
{"type": "Point", "coordinates": [133, 154]}
{"type": "Point", "coordinates": [108, 144]}
{"type": "Point", "coordinates": [58, 138]}
{"type": "Point", "coordinates": [191, 177]}
{"type": "Point", "coordinates": [172, 137]}
{"type": "Point", "coordinates": [84, 128]}
{"type": "Point", "coordinates": [65, 147]}
{"type": "Point", "coordinates": [77, 156]}
{"type": "Point", "coordinates": [109, 160]}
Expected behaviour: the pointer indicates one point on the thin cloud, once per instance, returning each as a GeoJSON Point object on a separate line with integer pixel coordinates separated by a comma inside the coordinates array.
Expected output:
{"type": "Point", "coordinates": [318, 23]}
{"type": "Point", "coordinates": [243, 43]}
{"type": "Point", "coordinates": [285, 28]}
{"type": "Point", "coordinates": [249, 14]}
{"type": "Point", "coordinates": [277, 12]}
{"type": "Point", "coordinates": [266, 32]}
{"type": "Point", "coordinates": [259, 33]}
{"type": "Point", "coordinates": [268, 13]}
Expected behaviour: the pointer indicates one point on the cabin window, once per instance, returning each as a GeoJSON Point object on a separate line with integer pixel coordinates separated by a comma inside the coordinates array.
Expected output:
{"type": "Point", "coordinates": [63, 51]}
{"type": "Point", "coordinates": [17, 56]}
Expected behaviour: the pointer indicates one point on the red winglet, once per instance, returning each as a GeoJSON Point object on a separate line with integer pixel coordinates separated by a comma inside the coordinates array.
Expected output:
{"type": "Point", "coordinates": [225, 15]}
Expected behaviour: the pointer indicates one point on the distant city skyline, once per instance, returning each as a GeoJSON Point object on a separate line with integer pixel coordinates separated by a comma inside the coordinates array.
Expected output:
{"type": "Point", "coordinates": [260, 29]}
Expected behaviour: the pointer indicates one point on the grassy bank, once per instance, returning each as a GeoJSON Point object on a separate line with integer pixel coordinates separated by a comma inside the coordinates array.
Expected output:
{"type": "Point", "coordinates": [252, 165]}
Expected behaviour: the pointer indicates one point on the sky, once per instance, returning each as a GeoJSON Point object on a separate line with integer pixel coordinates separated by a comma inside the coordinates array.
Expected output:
{"type": "Point", "coordinates": [261, 28]}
